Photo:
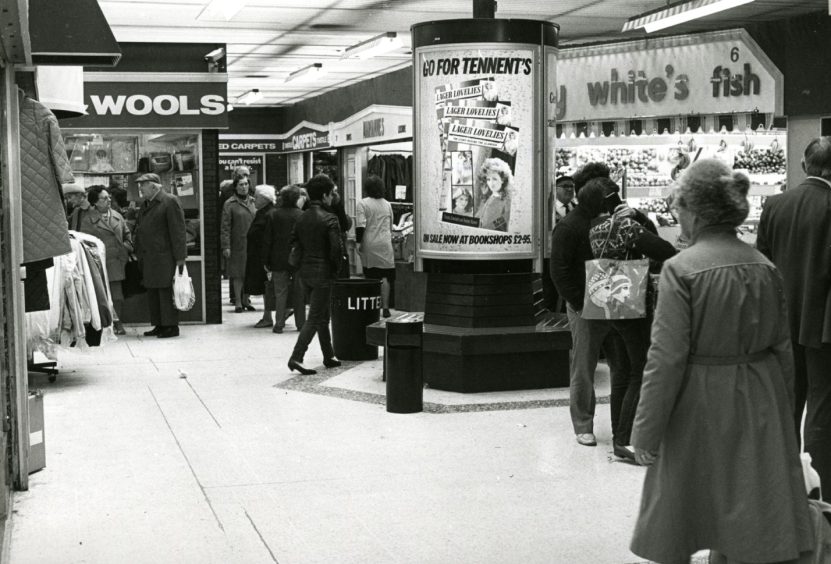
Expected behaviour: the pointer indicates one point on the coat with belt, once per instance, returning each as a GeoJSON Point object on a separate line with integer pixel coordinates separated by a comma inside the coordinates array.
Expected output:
{"type": "Point", "coordinates": [237, 216]}
{"type": "Point", "coordinates": [317, 237]}
{"type": "Point", "coordinates": [716, 406]}
{"type": "Point", "coordinates": [795, 233]}
{"type": "Point", "coordinates": [160, 239]}
{"type": "Point", "coordinates": [44, 166]}
{"type": "Point", "coordinates": [274, 253]}
{"type": "Point", "coordinates": [113, 232]}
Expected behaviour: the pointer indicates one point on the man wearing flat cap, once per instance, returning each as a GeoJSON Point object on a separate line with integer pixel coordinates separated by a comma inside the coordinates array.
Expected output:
{"type": "Point", "coordinates": [160, 242]}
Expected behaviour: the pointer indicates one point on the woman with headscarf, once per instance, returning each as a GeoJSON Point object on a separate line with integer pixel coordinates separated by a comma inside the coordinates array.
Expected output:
{"type": "Point", "coordinates": [714, 422]}
{"type": "Point", "coordinates": [620, 233]}
{"type": "Point", "coordinates": [237, 215]}
{"type": "Point", "coordinates": [255, 275]}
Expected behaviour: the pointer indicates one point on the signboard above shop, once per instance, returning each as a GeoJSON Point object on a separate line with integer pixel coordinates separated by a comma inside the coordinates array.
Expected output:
{"type": "Point", "coordinates": [708, 73]}
{"type": "Point", "coordinates": [153, 101]}
{"type": "Point", "coordinates": [374, 124]}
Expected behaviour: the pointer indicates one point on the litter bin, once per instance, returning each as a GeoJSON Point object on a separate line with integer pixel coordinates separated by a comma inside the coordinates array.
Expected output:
{"type": "Point", "coordinates": [356, 303]}
{"type": "Point", "coordinates": [402, 362]}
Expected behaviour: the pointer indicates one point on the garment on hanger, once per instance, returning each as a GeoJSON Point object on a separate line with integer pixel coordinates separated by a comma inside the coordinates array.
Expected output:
{"type": "Point", "coordinates": [44, 166]}
{"type": "Point", "coordinates": [35, 287]}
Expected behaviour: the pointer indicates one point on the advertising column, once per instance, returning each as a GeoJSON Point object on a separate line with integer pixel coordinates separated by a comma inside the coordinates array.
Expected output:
{"type": "Point", "coordinates": [479, 141]}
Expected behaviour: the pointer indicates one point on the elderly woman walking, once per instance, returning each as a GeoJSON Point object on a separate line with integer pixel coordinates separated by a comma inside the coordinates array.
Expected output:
{"type": "Point", "coordinates": [237, 215]}
{"type": "Point", "coordinates": [714, 420]}
{"type": "Point", "coordinates": [256, 282]}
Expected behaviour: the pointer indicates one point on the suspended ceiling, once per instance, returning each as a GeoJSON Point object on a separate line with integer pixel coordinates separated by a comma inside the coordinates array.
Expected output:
{"type": "Point", "coordinates": [268, 39]}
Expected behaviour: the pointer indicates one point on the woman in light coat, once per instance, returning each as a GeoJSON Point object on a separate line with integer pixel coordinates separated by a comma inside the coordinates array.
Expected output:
{"type": "Point", "coordinates": [101, 221]}
{"type": "Point", "coordinates": [237, 214]}
{"type": "Point", "coordinates": [714, 420]}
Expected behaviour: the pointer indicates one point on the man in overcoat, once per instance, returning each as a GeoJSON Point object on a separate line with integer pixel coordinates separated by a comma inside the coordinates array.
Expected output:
{"type": "Point", "coordinates": [160, 243]}
{"type": "Point", "coordinates": [795, 234]}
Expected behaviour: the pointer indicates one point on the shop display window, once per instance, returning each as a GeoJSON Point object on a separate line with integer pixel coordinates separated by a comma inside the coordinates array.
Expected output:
{"type": "Point", "coordinates": [647, 165]}
{"type": "Point", "coordinates": [326, 162]}
{"type": "Point", "coordinates": [116, 160]}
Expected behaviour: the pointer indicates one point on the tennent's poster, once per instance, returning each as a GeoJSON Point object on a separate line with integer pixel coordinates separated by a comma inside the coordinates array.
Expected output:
{"type": "Point", "coordinates": [476, 154]}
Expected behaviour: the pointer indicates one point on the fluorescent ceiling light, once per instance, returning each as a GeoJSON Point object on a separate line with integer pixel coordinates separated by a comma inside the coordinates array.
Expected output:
{"type": "Point", "coordinates": [250, 97]}
{"type": "Point", "coordinates": [679, 13]}
{"type": "Point", "coordinates": [378, 45]}
{"type": "Point", "coordinates": [221, 9]}
{"type": "Point", "coordinates": [306, 74]}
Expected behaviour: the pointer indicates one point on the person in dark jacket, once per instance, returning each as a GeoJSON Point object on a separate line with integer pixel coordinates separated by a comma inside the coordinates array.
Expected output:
{"type": "Point", "coordinates": [256, 282]}
{"type": "Point", "coordinates": [570, 250]}
{"type": "Point", "coordinates": [616, 234]}
{"type": "Point", "coordinates": [161, 246]}
{"type": "Point", "coordinates": [274, 257]}
{"type": "Point", "coordinates": [795, 234]}
{"type": "Point", "coordinates": [317, 237]}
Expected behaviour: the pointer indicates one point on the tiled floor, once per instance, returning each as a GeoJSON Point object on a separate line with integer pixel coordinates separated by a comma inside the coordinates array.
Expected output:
{"type": "Point", "coordinates": [206, 449]}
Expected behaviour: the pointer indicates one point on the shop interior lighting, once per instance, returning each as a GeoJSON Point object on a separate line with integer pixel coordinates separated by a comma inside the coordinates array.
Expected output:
{"type": "Point", "coordinates": [679, 13]}
{"type": "Point", "coordinates": [378, 45]}
{"type": "Point", "coordinates": [221, 9]}
{"type": "Point", "coordinates": [306, 74]}
{"type": "Point", "coordinates": [250, 97]}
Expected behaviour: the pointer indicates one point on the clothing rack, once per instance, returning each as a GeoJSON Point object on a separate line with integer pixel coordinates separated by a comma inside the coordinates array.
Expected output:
{"type": "Point", "coordinates": [48, 368]}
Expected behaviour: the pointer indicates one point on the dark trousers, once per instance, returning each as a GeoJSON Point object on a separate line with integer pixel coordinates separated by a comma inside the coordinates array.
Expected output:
{"type": "Point", "coordinates": [814, 364]}
{"type": "Point", "coordinates": [588, 337]}
{"type": "Point", "coordinates": [629, 352]}
{"type": "Point", "coordinates": [317, 321]}
{"type": "Point", "coordinates": [288, 292]}
{"type": "Point", "coordinates": [160, 304]}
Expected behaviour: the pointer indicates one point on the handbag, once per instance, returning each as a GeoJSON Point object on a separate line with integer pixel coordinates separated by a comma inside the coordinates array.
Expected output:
{"type": "Point", "coordinates": [615, 289]}
{"type": "Point", "coordinates": [131, 285]}
{"type": "Point", "coordinates": [183, 295]}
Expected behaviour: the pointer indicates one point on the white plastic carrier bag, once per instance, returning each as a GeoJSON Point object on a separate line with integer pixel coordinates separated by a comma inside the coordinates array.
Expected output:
{"type": "Point", "coordinates": [183, 295]}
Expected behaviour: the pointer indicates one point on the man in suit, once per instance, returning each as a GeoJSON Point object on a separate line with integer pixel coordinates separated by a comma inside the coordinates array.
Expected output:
{"type": "Point", "coordinates": [316, 237]}
{"type": "Point", "coordinates": [795, 233]}
{"type": "Point", "coordinates": [160, 242]}
{"type": "Point", "coordinates": [560, 202]}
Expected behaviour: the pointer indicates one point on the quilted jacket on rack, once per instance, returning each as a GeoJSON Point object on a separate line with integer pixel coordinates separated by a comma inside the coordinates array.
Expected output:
{"type": "Point", "coordinates": [44, 166]}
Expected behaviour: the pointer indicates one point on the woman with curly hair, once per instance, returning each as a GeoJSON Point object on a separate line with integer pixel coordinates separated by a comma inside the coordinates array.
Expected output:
{"type": "Point", "coordinates": [494, 204]}
{"type": "Point", "coordinates": [714, 422]}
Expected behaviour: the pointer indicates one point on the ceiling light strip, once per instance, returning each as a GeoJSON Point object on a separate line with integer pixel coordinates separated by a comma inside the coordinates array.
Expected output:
{"type": "Point", "coordinates": [680, 13]}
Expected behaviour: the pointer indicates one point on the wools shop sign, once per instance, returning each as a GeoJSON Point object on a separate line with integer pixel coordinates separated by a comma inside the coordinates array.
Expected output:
{"type": "Point", "coordinates": [153, 105]}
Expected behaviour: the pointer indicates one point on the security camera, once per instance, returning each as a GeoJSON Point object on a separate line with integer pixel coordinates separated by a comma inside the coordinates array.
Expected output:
{"type": "Point", "coordinates": [215, 56]}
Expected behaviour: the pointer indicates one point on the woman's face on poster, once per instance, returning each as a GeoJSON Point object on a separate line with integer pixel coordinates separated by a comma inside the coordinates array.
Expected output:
{"type": "Point", "coordinates": [462, 201]}
{"type": "Point", "coordinates": [493, 181]}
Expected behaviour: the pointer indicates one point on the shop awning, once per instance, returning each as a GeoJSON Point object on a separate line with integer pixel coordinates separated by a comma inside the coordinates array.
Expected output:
{"type": "Point", "coordinates": [75, 33]}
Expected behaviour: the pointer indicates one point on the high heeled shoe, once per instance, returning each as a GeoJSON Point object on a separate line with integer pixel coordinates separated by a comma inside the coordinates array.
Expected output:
{"type": "Point", "coordinates": [331, 362]}
{"type": "Point", "coordinates": [294, 365]}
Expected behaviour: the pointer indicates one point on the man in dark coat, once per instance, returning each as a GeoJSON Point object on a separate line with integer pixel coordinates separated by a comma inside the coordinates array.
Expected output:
{"type": "Point", "coordinates": [570, 249]}
{"type": "Point", "coordinates": [795, 233]}
{"type": "Point", "coordinates": [317, 238]}
{"type": "Point", "coordinates": [279, 225]}
{"type": "Point", "coordinates": [160, 242]}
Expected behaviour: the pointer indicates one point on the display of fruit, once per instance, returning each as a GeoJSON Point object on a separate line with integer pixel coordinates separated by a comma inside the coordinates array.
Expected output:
{"type": "Point", "coordinates": [761, 160]}
{"type": "Point", "coordinates": [564, 158]}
